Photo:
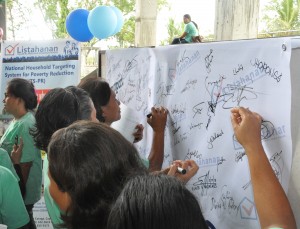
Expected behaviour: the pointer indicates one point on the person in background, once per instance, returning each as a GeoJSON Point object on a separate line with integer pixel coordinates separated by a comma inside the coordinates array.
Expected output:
{"type": "Point", "coordinates": [59, 108]}
{"type": "Point", "coordinates": [13, 213]}
{"type": "Point", "coordinates": [108, 111]}
{"type": "Point", "coordinates": [190, 31]}
{"type": "Point", "coordinates": [271, 202]}
{"type": "Point", "coordinates": [20, 100]}
{"type": "Point", "coordinates": [156, 202]}
{"type": "Point", "coordinates": [89, 164]}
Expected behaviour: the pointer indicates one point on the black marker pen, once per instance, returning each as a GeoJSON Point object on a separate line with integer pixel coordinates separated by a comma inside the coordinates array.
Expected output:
{"type": "Point", "coordinates": [16, 140]}
{"type": "Point", "coordinates": [181, 170]}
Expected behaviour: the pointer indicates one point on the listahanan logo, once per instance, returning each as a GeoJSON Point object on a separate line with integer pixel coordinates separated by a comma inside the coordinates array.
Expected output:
{"type": "Point", "coordinates": [10, 50]}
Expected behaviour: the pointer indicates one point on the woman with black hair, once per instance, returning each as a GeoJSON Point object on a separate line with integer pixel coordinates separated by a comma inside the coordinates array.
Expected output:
{"type": "Point", "coordinates": [89, 164]}
{"type": "Point", "coordinates": [20, 101]}
{"type": "Point", "coordinates": [108, 111]}
{"type": "Point", "coordinates": [190, 31]}
{"type": "Point", "coordinates": [156, 202]}
{"type": "Point", "coordinates": [59, 108]}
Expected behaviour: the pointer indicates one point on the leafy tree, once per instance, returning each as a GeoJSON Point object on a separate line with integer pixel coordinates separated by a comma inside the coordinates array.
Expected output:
{"type": "Point", "coordinates": [282, 15]}
{"type": "Point", "coordinates": [56, 11]}
{"type": "Point", "coordinates": [174, 30]}
{"type": "Point", "coordinates": [17, 17]}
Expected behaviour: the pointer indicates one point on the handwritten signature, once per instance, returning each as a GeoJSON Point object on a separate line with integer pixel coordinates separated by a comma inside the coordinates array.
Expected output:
{"type": "Point", "coordinates": [213, 138]}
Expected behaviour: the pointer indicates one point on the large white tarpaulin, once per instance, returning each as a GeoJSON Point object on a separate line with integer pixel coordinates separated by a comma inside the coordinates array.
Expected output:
{"type": "Point", "coordinates": [199, 84]}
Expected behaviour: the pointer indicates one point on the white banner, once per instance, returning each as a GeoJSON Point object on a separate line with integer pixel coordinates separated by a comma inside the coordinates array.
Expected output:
{"type": "Point", "coordinates": [199, 84]}
{"type": "Point", "coordinates": [48, 64]}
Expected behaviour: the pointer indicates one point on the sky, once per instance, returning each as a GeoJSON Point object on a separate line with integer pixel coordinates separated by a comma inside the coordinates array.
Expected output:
{"type": "Point", "coordinates": [201, 11]}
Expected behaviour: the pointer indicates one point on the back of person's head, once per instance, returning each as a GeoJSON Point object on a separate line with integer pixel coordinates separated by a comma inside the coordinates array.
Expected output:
{"type": "Point", "coordinates": [99, 91]}
{"type": "Point", "coordinates": [91, 163]}
{"type": "Point", "coordinates": [24, 89]}
{"type": "Point", "coordinates": [187, 16]}
{"type": "Point", "coordinates": [155, 202]}
{"type": "Point", "coordinates": [59, 108]}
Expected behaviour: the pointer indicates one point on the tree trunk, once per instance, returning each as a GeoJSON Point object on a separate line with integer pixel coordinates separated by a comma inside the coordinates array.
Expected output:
{"type": "Point", "coordinates": [3, 18]}
{"type": "Point", "coordinates": [236, 19]}
{"type": "Point", "coordinates": [145, 23]}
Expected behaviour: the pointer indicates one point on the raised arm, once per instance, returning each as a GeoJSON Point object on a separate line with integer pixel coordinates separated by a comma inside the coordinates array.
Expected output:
{"type": "Point", "coordinates": [272, 205]}
{"type": "Point", "coordinates": [157, 120]}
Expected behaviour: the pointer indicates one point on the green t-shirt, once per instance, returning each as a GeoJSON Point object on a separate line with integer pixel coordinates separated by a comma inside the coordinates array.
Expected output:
{"type": "Point", "coordinates": [6, 162]}
{"type": "Point", "coordinates": [12, 209]}
{"type": "Point", "coordinates": [30, 153]}
{"type": "Point", "coordinates": [53, 209]}
{"type": "Point", "coordinates": [191, 31]}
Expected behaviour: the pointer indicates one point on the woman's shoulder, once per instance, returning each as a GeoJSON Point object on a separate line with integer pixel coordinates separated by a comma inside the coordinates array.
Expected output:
{"type": "Point", "coordinates": [28, 120]}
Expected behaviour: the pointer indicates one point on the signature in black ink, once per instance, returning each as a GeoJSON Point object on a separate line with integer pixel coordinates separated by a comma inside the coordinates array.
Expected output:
{"type": "Point", "coordinates": [180, 138]}
{"type": "Point", "coordinates": [183, 59]}
{"type": "Point", "coordinates": [276, 156]}
{"type": "Point", "coordinates": [214, 89]}
{"type": "Point", "coordinates": [178, 112]}
{"type": "Point", "coordinates": [277, 164]}
{"type": "Point", "coordinates": [192, 154]}
{"type": "Point", "coordinates": [220, 162]}
{"type": "Point", "coordinates": [208, 122]}
{"type": "Point", "coordinates": [186, 62]}
{"type": "Point", "coordinates": [263, 66]}
{"type": "Point", "coordinates": [236, 94]}
{"type": "Point", "coordinates": [213, 138]}
{"type": "Point", "coordinates": [225, 202]}
{"type": "Point", "coordinates": [130, 64]}
{"type": "Point", "coordinates": [176, 130]}
{"type": "Point", "coordinates": [189, 84]}
{"type": "Point", "coordinates": [116, 66]}
{"type": "Point", "coordinates": [164, 91]}
{"type": "Point", "coordinates": [239, 156]}
{"type": "Point", "coordinates": [197, 125]}
{"type": "Point", "coordinates": [208, 61]}
{"type": "Point", "coordinates": [246, 185]}
{"type": "Point", "coordinates": [267, 129]}
{"type": "Point", "coordinates": [117, 85]}
{"type": "Point", "coordinates": [197, 109]}
{"type": "Point", "coordinates": [205, 182]}
{"type": "Point", "coordinates": [240, 68]}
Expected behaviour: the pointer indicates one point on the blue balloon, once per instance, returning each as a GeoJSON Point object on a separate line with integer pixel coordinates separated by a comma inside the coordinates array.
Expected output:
{"type": "Point", "coordinates": [102, 21]}
{"type": "Point", "coordinates": [76, 25]}
{"type": "Point", "coordinates": [120, 19]}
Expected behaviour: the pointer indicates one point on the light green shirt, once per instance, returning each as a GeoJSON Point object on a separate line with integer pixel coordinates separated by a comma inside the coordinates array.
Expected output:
{"type": "Point", "coordinates": [6, 162]}
{"type": "Point", "coordinates": [30, 153]}
{"type": "Point", "coordinates": [12, 209]}
{"type": "Point", "coordinates": [191, 31]}
{"type": "Point", "coordinates": [53, 209]}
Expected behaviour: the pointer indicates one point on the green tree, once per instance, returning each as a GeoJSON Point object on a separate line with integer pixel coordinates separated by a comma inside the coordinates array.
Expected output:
{"type": "Point", "coordinates": [56, 11]}
{"type": "Point", "coordinates": [17, 17]}
{"type": "Point", "coordinates": [282, 15]}
{"type": "Point", "coordinates": [174, 30]}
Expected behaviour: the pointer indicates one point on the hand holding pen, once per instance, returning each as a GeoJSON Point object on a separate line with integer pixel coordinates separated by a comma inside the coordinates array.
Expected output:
{"type": "Point", "coordinates": [183, 170]}
{"type": "Point", "coordinates": [157, 119]}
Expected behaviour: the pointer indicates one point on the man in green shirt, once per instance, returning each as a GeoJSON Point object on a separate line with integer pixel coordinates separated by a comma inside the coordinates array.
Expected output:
{"type": "Point", "coordinates": [190, 31]}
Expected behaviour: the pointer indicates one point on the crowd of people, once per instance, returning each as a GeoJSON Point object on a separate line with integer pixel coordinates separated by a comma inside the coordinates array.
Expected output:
{"type": "Point", "coordinates": [95, 178]}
